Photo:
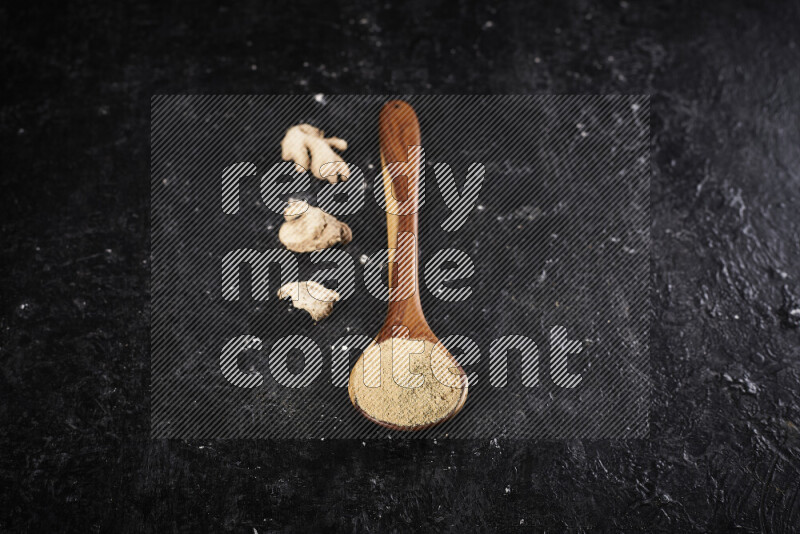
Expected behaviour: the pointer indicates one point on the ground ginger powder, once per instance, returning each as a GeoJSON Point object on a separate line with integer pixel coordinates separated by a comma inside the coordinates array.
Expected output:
{"type": "Point", "coordinates": [407, 382]}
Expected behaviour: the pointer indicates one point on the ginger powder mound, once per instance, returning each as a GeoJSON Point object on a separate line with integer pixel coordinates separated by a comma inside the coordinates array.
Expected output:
{"type": "Point", "coordinates": [407, 382]}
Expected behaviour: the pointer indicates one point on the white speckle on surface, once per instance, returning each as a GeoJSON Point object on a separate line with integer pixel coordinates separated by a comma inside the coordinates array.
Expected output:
{"type": "Point", "coordinates": [253, 67]}
{"type": "Point", "coordinates": [488, 25]}
{"type": "Point", "coordinates": [751, 386]}
{"type": "Point", "coordinates": [363, 259]}
{"type": "Point", "coordinates": [635, 106]}
{"type": "Point", "coordinates": [508, 490]}
{"type": "Point", "coordinates": [481, 207]}
{"type": "Point", "coordinates": [537, 59]}
{"type": "Point", "coordinates": [320, 98]}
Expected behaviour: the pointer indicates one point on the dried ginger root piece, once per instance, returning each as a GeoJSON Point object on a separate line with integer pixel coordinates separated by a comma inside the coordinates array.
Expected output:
{"type": "Point", "coordinates": [315, 298]}
{"type": "Point", "coordinates": [310, 150]}
{"type": "Point", "coordinates": [308, 229]}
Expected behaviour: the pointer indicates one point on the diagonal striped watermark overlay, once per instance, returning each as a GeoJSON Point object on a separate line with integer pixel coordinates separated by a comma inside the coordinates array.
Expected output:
{"type": "Point", "coordinates": [533, 265]}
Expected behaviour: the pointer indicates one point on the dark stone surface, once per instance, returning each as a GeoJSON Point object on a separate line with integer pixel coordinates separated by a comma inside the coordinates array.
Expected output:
{"type": "Point", "coordinates": [724, 451]}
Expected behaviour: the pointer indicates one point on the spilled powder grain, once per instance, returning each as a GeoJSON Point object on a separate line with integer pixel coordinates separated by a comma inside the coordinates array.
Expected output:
{"type": "Point", "coordinates": [406, 392]}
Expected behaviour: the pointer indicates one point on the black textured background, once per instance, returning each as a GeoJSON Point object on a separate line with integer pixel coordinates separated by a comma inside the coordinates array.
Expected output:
{"type": "Point", "coordinates": [724, 451]}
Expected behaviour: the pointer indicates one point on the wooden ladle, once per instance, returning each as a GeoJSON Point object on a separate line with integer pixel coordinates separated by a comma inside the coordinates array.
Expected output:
{"type": "Point", "coordinates": [384, 384]}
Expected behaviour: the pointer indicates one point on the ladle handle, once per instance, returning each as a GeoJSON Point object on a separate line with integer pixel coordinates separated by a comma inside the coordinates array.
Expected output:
{"type": "Point", "coordinates": [401, 160]}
